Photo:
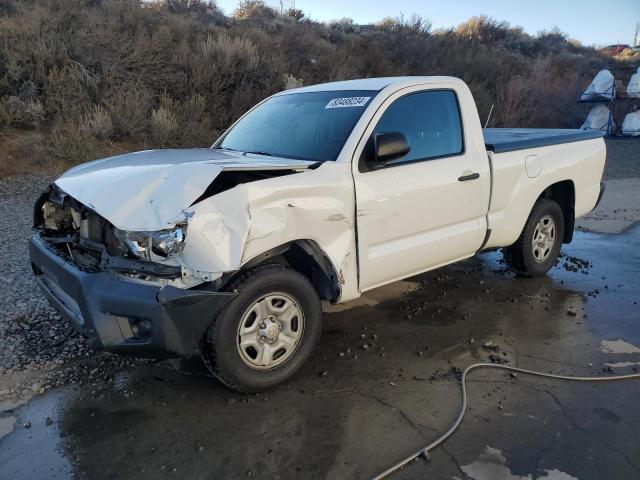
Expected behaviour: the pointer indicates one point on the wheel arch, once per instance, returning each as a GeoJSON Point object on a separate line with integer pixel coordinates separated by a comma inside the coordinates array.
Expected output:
{"type": "Point", "coordinates": [564, 194]}
{"type": "Point", "coordinates": [306, 257]}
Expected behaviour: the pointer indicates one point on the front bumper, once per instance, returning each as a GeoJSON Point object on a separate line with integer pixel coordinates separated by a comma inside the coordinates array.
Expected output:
{"type": "Point", "coordinates": [110, 311]}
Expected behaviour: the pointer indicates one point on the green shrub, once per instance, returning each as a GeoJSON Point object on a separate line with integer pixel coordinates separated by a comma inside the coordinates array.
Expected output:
{"type": "Point", "coordinates": [24, 114]}
{"type": "Point", "coordinates": [254, 10]}
{"type": "Point", "coordinates": [5, 114]}
{"type": "Point", "coordinates": [97, 123]}
{"type": "Point", "coordinates": [230, 51]}
{"type": "Point", "coordinates": [67, 90]}
{"type": "Point", "coordinates": [129, 106]}
{"type": "Point", "coordinates": [164, 126]}
{"type": "Point", "coordinates": [289, 82]}
{"type": "Point", "coordinates": [176, 123]}
{"type": "Point", "coordinates": [194, 123]}
{"type": "Point", "coordinates": [71, 143]}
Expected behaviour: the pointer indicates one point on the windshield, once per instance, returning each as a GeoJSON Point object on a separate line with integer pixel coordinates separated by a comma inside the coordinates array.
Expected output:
{"type": "Point", "coordinates": [306, 126]}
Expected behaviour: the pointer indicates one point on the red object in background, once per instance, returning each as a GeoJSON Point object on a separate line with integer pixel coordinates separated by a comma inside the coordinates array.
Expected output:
{"type": "Point", "coordinates": [614, 49]}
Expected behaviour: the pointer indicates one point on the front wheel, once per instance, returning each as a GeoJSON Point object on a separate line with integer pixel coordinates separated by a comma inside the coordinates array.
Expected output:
{"type": "Point", "coordinates": [538, 246]}
{"type": "Point", "coordinates": [265, 335]}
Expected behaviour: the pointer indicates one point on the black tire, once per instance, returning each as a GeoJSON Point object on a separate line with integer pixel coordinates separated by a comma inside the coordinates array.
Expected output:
{"type": "Point", "coordinates": [520, 256]}
{"type": "Point", "coordinates": [220, 350]}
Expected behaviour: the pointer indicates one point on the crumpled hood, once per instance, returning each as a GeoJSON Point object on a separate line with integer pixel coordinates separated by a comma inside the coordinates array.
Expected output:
{"type": "Point", "coordinates": [152, 190]}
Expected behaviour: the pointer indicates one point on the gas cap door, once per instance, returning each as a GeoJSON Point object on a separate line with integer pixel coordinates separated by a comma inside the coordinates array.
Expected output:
{"type": "Point", "coordinates": [533, 165]}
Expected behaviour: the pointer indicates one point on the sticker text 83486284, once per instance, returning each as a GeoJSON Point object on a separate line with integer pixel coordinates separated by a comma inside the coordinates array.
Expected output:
{"type": "Point", "coordinates": [347, 102]}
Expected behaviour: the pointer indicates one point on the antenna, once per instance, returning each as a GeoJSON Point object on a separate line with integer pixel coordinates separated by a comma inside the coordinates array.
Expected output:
{"type": "Point", "coordinates": [488, 117]}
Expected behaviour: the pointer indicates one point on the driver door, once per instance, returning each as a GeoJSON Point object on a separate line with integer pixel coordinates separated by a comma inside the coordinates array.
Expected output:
{"type": "Point", "coordinates": [427, 208]}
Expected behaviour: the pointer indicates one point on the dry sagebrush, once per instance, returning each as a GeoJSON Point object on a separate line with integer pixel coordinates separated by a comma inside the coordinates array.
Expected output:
{"type": "Point", "coordinates": [96, 76]}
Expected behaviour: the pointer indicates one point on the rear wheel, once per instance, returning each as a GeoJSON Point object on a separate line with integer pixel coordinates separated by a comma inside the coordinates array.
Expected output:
{"type": "Point", "coordinates": [538, 246]}
{"type": "Point", "coordinates": [264, 336]}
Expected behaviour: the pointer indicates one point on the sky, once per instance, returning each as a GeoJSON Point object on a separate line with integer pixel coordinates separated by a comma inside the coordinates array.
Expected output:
{"type": "Point", "coordinates": [592, 22]}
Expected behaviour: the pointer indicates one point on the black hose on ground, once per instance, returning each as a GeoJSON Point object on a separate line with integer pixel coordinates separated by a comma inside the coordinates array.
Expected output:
{"type": "Point", "coordinates": [463, 383]}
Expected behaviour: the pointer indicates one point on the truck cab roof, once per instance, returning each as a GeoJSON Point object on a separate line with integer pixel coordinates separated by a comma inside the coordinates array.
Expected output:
{"type": "Point", "coordinates": [373, 84]}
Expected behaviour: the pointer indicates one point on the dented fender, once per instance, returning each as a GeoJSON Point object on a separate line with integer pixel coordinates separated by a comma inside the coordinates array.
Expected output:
{"type": "Point", "coordinates": [236, 206]}
{"type": "Point", "coordinates": [228, 230]}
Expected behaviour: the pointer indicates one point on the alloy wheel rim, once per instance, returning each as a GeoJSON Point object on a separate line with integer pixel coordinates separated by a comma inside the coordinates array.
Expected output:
{"type": "Point", "coordinates": [270, 331]}
{"type": "Point", "coordinates": [544, 238]}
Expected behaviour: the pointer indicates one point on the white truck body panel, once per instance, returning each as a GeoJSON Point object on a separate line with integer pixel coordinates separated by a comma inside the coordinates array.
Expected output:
{"type": "Point", "coordinates": [374, 227]}
{"type": "Point", "coordinates": [514, 192]}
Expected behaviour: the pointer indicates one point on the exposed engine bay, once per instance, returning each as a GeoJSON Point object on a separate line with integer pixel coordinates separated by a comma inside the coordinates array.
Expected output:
{"type": "Point", "coordinates": [92, 243]}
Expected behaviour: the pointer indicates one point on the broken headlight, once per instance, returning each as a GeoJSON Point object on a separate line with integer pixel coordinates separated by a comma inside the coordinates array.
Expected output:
{"type": "Point", "coordinates": [162, 243]}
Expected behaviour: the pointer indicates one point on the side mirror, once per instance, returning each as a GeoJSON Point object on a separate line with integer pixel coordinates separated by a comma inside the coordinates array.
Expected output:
{"type": "Point", "coordinates": [389, 146]}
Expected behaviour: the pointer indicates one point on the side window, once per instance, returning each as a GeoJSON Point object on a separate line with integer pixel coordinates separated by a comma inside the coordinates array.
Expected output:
{"type": "Point", "coordinates": [430, 121]}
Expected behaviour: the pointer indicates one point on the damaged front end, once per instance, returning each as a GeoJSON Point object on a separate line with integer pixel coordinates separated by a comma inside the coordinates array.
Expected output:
{"type": "Point", "coordinates": [135, 250]}
{"type": "Point", "coordinates": [124, 290]}
{"type": "Point", "coordinates": [93, 244]}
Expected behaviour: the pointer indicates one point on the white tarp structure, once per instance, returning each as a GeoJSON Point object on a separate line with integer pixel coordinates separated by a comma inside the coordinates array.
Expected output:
{"type": "Point", "coordinates": [598, 119]}
{"type": "Point", "coordinates": [631, 124]}
{"type": "Point", "coordinates": [600, 88]}
{"type": "Point", "coordinates": [633, 89]}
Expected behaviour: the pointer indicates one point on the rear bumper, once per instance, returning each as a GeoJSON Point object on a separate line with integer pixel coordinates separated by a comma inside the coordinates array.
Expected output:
{"type": "Point", "coordinates": [125, 316]}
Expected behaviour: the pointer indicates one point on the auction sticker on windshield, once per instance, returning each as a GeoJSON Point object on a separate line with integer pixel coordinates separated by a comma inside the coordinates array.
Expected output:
{"type": "Point", "coordinates": [347, 102]}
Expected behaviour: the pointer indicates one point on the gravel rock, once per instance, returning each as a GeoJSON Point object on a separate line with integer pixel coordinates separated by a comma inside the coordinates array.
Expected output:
{"type": "Point", "coordinates": [495, 358]}
{"type": "Point", "coordinates": [622, 156]}
{"type": "Point", "coordinates": [489, 345]}
{"type": "Point", "coordinates": [35, 337]}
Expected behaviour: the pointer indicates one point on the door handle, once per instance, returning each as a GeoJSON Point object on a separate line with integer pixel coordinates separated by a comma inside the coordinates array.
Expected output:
{"type": "Point", "coordinates": [468, 176]}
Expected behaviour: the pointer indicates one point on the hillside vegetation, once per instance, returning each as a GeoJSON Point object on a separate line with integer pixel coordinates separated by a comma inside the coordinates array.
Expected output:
{"type": "Point", "coordinates": [80, 79]}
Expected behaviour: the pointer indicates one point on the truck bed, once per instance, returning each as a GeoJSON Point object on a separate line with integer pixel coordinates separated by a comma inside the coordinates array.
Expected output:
{"type": "Point", "coordinates": [500, 140]}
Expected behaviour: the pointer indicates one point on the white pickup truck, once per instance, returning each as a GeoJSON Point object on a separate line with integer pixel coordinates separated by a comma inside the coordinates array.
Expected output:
{"type": "Point", "coordinates": [322, 192]}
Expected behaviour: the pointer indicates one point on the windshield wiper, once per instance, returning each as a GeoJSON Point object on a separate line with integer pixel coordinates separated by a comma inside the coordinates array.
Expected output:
{"type": "Point", "coordinates": [258, 152]}
{"type": "Point", "coordinates": [225, 148]}
{"type": "Point", "coordinates": [266, 154]}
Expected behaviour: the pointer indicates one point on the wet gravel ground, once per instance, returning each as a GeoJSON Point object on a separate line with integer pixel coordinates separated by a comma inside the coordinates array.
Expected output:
{"type": "Point", "coordinates": [38, 349]}
{"type": "Point", "coordinates": [383, 382]}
